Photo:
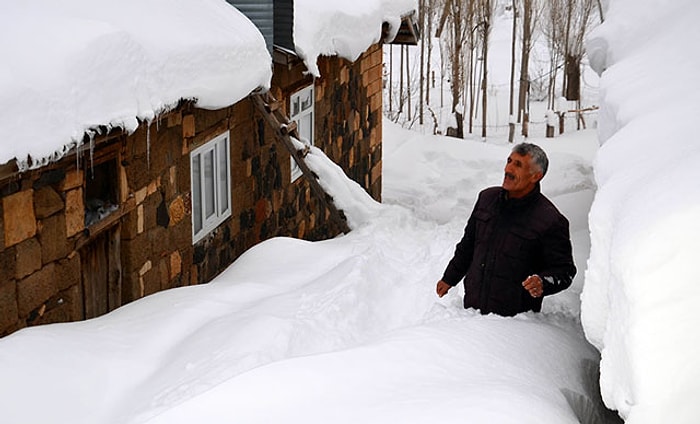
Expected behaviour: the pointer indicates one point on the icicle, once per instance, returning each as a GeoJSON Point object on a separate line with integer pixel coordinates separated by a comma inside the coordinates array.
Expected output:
{"type": "Point", "coordinates": [92, 154]}
{"type": "Point", "coordinates": [148, 143]}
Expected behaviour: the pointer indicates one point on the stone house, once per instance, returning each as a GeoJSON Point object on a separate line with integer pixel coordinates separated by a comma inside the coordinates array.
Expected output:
{"type": "Point", "coordinates": [176, 201]}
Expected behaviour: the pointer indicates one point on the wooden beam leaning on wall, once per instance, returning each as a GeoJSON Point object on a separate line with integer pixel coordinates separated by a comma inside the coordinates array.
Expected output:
{"type": "Point", "coordinates": [270, 109]}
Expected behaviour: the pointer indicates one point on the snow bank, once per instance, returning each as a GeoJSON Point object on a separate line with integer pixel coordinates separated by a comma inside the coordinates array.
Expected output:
{"type": "Point", "coordinates": [347, 330]}
{"type": "Point", "coordinates": [343, 28]}
{"type": "Point", "coordinates": [640, 300]}
{"type": "Point", "coordinates": [72, 65]}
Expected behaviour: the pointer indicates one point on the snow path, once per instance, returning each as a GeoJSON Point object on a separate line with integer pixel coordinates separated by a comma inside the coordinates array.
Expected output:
{"type": "Point", "coordinates": [343, 330]}
{"type": "Point", "coordinates": [388, 343]}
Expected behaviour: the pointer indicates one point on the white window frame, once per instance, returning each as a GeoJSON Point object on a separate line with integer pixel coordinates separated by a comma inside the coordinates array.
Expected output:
{"type": "Point", "coordinates": [213, 192]}
{"type": "Point", "coordinates": [298, 114]}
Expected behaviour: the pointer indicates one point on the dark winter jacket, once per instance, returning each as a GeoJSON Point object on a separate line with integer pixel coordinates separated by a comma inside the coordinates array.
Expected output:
{"type": "Point", "coordinates": [505, 241]}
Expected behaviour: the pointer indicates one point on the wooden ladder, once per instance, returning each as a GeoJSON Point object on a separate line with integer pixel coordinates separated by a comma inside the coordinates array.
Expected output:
{"type": "Point", "coordinates": [270, 109]}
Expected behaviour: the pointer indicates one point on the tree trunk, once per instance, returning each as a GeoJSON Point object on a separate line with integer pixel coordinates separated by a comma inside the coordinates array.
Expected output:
{"type": "Point", "coordinates": [408, 83]}
{"type": "Point", "coordinates": [511, 122]}
{"type": "Point", "coordinates": [484, 87]}
{"type": "Point", "coordinates": [401, 97]}
{"type": "Point", "coordinates": [422, 61]}
{"type": "Point", "coordinates": [525, 58]}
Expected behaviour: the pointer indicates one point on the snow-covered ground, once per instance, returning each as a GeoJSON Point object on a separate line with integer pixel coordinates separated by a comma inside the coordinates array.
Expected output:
{"type": "Point", "coordinates": [344, 330]}
{"type": "Point", "coordinates": [349, 329]}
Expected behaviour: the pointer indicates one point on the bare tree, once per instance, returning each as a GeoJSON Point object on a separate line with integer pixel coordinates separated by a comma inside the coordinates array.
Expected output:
{"type": "Point", "coordinates": [484, 13]}
{"type": "Point", "coordinates": [529, 21]}
{"type": "Point", "coordinates": [511, 123]}
{"type": "Point", "coordinates": [569, 22]}
{"type": "Point", "coordinates": [453, 18]}
{"type": "Point", "coordinates": [421, 19]}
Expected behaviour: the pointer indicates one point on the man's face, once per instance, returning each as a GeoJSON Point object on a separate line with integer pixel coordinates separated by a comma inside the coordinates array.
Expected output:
{"type": "Point", "coordinates": [520, 176]}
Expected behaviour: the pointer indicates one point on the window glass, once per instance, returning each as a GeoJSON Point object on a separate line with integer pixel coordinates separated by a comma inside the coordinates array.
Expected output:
{"type": "Point", "coordinates": [223, 177]}
{"type": "Point", "coordinates": [306, 100]}
{"type": "Point", "coordinates": [295, 106]}
{"type": "Point", "coordinates": [302, 113]}
{"type": "Point", "coordinates": [211, 186]}
{"type": "Point", "coordinates": [209, 198]}
{"type": "Point", "coordinates": [306, 126]}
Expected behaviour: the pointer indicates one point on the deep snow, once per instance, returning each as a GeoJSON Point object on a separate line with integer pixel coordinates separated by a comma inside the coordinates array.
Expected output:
{"type": "Point", "coordinates": [639, 305]}
{"type": "Point", "coordinates": [349, 329]}
{"type": "Point", "coordinates": [343, 330]}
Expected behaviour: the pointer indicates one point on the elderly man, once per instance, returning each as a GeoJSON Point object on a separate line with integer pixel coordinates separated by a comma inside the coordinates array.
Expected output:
{"type": "Point", "coordinates": [516, 247]}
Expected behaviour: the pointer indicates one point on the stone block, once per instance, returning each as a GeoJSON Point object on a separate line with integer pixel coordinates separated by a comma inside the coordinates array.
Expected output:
{"type": "Point", "coordinates": [63, 307]}
{"type": "Point", "coordinates": [129, 225]}
{"type": "Point", "coordinates": [376, 173]}
{"type": "Point", "coordinates": [36, 289]}
{"type": "Point", "coordinates": [163, 274]}
{"type": "Point", "coordinates": [18, 217]}
{"type": "Point", "coordinates": [28, 257]}
{"type": "Point", "coordinates": [140, 219]}
{"type": "Point", "coordinates": [141, 194]}
{"type": "Point", "coordinates": [375, 87]}
{"type": "Point", "coordinates": [150, 208]}
{"type": "Point", "coordinates": [8, 305]}
{"type": "Point", "coordinates": [147, 266]}
{"type": "Point", "coordinates": [123, 184]}
{"type": "Point", "coordinates": [138, 171]}
{"type": "Point", "coordinates": [175, 264]}
{"type": "Point", "coordinates": [375, 103]}
{"type": "Point", "coordinates": [174, 119]}
{"type": "Point", "coordinates": [67, 272]}
{"type": "Point", "coordinates": [172, 182]}
{"type": "Point", "coordinates": [135, 252]}
{"type": "Point", "coordinates": [176, 211]}
{"type": "Point", "coordinates": [150, 282]}
{"type": "Point", "coordinates": [188, 127]}
{"type": "Point", "coordinates": [74, 179]}
{"type": "Point", "coordinates": [8, 261]}
{"type": "Point", "coordinates": [263, 209]}
{"type": "Point", "coordinates": [47, 202]}
{"type": "Point", "coordinates": [344, 75]}
{"type": "Point", "coordinates": [52, 235]}
{"type": "Point", "coordinates": [180, 236]}
{"type": "Point", "coordinates": [75, 212]}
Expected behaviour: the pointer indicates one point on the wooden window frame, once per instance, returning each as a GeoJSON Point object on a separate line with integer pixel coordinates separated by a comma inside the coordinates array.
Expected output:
{"type": "Point", "coordinates": [297, 115]}
{"type": "Point", "coordinates": [219, 192]}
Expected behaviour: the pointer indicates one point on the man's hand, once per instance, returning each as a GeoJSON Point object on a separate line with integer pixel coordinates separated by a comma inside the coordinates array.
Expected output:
{"type": "Point", "coordinates": [442, 288]}
{"type": "Point", "coordinates": [533, 284]}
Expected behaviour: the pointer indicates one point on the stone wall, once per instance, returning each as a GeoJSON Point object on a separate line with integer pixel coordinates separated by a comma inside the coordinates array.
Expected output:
{"type": "Point", "coordinates": [55, 267]}
{"type": "Point", "coordinates": [349, 116]}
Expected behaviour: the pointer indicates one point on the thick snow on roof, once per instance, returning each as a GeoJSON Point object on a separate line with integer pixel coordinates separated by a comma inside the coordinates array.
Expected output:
{"type": "Point", "coordinates": [72, 65]}
{"type": "Point", "coordinates": [343, 28]}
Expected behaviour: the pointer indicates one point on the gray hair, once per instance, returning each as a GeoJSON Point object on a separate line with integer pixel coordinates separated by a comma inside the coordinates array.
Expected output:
{"type": "Point", "coordinates": [538, 156]}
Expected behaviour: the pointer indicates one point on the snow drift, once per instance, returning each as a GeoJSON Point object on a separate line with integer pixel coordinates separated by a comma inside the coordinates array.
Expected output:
{"type": "Point", "coordinates": [640, 299]}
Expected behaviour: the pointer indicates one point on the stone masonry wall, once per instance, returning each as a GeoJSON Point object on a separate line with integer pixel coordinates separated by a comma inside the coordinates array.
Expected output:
{"type": "Point", "coordinates": [349, 116]}
{"type": "Point", "coordinates": [46, 249]}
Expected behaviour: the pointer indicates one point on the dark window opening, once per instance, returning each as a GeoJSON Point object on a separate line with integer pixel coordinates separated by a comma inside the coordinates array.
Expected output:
{"type": "Point", "coordinates": [100, 191]}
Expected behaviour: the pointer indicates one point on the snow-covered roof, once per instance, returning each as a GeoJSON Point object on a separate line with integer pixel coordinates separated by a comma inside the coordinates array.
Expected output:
{"type": "Point", "coordinates": [344, 28]}
{"type": "Point", "coordinates": [71, 65]}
